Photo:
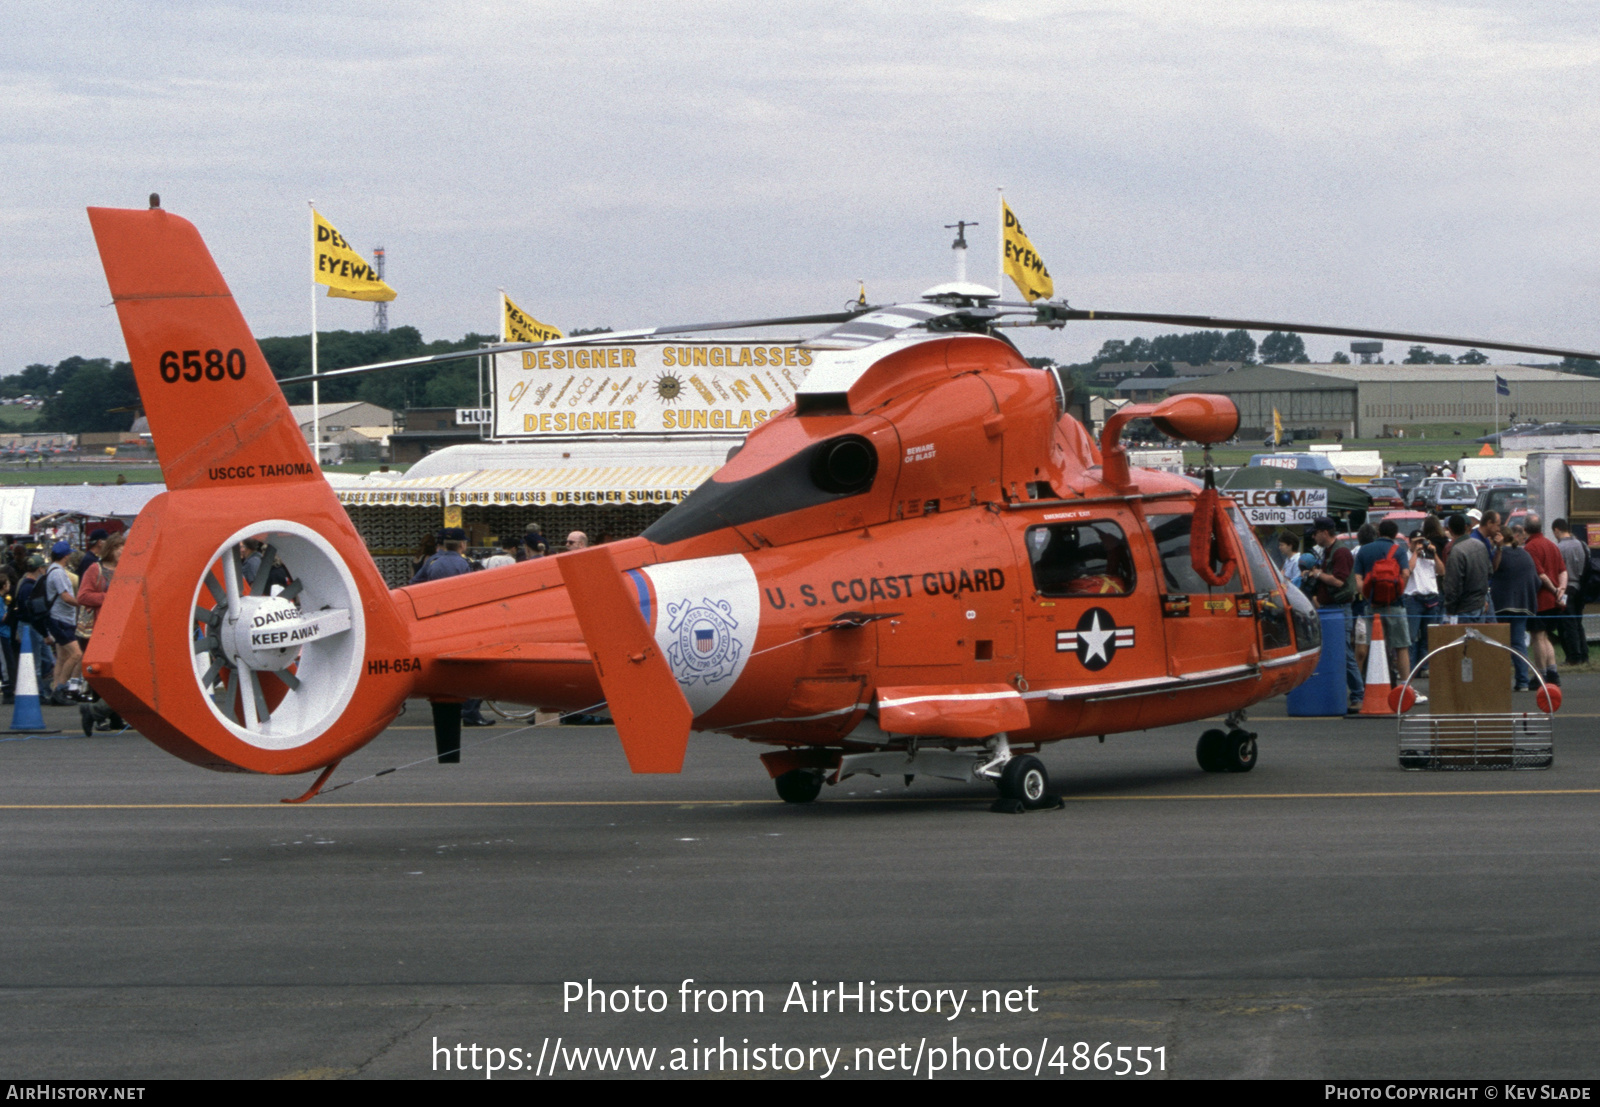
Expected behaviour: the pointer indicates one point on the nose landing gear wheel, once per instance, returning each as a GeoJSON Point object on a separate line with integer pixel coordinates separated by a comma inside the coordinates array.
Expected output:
{"type": "Point", "coordinates": [1226, 751]}
{"type": "Point", "coordinates": [799, 785]}
{"type": "Point", "coordinates": [1024, 779]}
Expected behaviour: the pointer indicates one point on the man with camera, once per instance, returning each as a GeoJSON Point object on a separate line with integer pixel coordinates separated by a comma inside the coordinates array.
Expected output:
{"type": "Point", "coordinates": [1421, 598]}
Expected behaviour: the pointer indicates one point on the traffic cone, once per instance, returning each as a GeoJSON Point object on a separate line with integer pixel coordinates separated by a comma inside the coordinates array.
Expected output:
{"type": "Point", "coordinates": [1376, 701]}
{"type": "Point", "coordinates": [26, 715]}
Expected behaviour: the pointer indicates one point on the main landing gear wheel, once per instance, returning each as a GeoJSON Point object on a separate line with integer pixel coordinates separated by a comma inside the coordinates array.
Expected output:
{"type": "Point", "coordinates": [1226, 751]}
{"type": "Point", "coordinates": [799, 785]}
{"type": "Point", "coordinates": [1024, 779]}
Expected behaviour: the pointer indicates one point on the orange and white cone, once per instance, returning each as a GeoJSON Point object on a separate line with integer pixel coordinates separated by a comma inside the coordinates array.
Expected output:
{"type": "Point", "coordinates": [1376, 700]}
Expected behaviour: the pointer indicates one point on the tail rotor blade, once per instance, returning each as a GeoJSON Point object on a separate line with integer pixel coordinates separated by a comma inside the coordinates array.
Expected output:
{"type": "Point", "coordinates": [226, 697]}
{"type": "Point", "coordinates": [269, 556]}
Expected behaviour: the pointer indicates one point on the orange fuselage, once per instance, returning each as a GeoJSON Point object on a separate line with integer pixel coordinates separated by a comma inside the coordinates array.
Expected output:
{"type": "Point", "coordinates": [784, 626]}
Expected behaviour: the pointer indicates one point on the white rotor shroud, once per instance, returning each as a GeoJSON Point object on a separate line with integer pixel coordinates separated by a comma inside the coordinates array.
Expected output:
{"type": "Point", "coordinates": [302, 645]}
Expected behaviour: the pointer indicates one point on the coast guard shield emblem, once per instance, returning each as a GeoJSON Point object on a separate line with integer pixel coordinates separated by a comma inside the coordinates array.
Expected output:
{"type": "Point", "coordinates": [704, 646]}
{"type": "Point", "coordinates": [705, 615]}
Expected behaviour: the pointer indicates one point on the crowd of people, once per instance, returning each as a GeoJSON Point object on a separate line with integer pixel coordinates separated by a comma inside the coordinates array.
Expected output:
{"type": "Point", "coordinates": [1470, 569]}
{"type": "Point", "coordinates": [443, 555]}
{"type": "Point", "coordinates": [55, 596]}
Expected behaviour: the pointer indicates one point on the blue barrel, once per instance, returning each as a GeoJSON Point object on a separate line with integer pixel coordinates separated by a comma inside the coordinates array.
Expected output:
{"type": "Point", "coordinates": [1325, 691]}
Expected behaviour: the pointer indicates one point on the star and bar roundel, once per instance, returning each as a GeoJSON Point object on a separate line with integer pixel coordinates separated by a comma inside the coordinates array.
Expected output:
{"type": "Point", "coordinates": [1096, 639]}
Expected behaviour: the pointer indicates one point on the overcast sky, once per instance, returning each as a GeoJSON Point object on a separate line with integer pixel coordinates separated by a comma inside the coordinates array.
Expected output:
{"type": "Point", "coordinates": [1400, 165]}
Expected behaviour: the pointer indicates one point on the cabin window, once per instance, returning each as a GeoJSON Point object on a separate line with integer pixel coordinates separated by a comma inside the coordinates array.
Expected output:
{"type": "Point", "coordinates": [1080, 559]}
{"type": "Point", "coordinates": [1262, 571]}
{"type": "Point", "coordinates": [1171, 533]}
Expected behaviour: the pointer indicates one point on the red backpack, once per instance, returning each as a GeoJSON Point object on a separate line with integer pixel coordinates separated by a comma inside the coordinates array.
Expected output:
{"type": "Point", "coordinates": [1385, 583]}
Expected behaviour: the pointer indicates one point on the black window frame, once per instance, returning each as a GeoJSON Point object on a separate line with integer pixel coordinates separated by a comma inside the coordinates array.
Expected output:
{"type": "Point", "coordinates": [1175, 584]}
{"type": "Point", "coordinates": [793, 484]}
{"type": "Point", "coordinates": [1127, 552]}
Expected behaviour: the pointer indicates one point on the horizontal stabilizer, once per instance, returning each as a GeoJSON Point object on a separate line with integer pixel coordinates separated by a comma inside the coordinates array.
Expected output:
{"type": "Point", "coordinates": [951, 710]}
{"type": "Point", "coordinates": [652, 717]}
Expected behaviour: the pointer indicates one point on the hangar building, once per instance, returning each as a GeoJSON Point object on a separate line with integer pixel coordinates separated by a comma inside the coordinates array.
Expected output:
{"type": "Point", "coordinates": [1363, 401]}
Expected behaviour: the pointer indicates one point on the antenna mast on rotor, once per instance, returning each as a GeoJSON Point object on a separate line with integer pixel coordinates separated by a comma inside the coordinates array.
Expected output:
{"type": "Point", "coordinates": [380, 310]}
{"type": "Point", "coordinates": [960, 246]}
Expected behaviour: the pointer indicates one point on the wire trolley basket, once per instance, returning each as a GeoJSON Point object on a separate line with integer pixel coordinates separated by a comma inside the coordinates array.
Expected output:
{"type": "Point", "coordinates": [1519, 740]}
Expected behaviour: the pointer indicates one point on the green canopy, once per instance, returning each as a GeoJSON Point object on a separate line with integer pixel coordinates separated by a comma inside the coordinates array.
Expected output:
{"type": "Point", "coordinates": [1342, 497]}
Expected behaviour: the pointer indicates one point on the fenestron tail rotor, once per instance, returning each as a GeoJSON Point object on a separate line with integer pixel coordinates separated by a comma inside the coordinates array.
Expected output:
{"type": "Point", "coordinates": [277, 660]}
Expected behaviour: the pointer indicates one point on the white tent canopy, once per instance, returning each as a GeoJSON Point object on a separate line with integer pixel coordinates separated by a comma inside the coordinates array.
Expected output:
{"type": "Point", "coordinates": [659, 470]}
{"type": "Point", "coordinates": [475, 457]}
{"type": "Point", "coordinates": [122, 501]}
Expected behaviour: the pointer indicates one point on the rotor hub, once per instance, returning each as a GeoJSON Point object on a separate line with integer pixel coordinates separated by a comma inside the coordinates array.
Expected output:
{"type": "Point", "coordinates": [268, 632]}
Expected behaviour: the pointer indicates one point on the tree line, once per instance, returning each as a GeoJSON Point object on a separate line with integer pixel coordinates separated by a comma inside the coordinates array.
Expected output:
{"type": "Point", "coordinates": [97, 394]}
{"type": "Point", "coordinates": [1172, 353]}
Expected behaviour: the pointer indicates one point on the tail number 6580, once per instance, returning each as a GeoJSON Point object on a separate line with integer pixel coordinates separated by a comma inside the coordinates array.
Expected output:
{"type": "Point", "coordinates": [194, 365]}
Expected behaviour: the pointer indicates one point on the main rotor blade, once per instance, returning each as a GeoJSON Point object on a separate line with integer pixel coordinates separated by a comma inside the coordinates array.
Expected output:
{"type": "Point", "coordinates": [1050, 315]}
{"type": "Point", "coordinates": [582, 340]}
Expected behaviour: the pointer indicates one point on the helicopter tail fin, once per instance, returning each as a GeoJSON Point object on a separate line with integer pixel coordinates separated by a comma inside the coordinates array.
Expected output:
{"type": "Point", "coordinates": [649, 708]}
{"type": "Point", "coordinates": [235, 664]}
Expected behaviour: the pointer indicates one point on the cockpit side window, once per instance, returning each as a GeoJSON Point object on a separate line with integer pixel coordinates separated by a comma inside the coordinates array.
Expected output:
{"type": "Point", "coordinates": [1080, 559]}
{"type": "Point", "coordinates": [1172, 539]}
{"type": "Point", "coordinates": [833, 469]}
{"type": "Point", "coordinates": [1262, 571]}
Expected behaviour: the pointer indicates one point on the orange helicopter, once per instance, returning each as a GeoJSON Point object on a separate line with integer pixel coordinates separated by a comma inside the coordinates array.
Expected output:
{"type": "Point", "coordinates": [924, 566]}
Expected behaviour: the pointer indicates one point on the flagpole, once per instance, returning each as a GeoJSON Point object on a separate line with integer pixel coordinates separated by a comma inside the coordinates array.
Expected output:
{"type": "Point", "coordinates": [316, 392]}
{"type": "Point", "coordinates": [1498, 444]}
{"type": "Point", "coordinates": [1000, 222]}
{"type": "Point", "coordinates": [504, 337]}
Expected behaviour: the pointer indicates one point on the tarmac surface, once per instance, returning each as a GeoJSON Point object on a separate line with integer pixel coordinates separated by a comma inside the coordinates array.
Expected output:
{"type": "Point", "coordinates": [1327, 915]}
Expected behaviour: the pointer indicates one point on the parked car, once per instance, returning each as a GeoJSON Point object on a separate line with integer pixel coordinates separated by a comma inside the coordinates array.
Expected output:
{"type": "Point", "coordinates": [1307, 462]}
{"type": "Point", "coordinates": [1446, 499]}
{"type": "Point", "coordinates": [1502, 498]}
{"type": "Point", "coordinates": [1406, 519]}
{"type": "Point", "coordinates": [1385, 492]}
{"type": "Point", "coordinates": [1493, 482]}
{"type": "Point", "coordinates": [1409, 474]}
{"type": "Point", "coordinates": [1419, 494]}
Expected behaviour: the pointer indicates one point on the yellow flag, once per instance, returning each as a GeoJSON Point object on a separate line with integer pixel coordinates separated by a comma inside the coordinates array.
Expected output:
{"type": "Point", "coordinates": [345, 272]}
{"type": "Point", "coordinates": [1277, 428]}
{"type": "Point", "coordinates": [1023, 263]}
{"type": "Point", "coordinates": [519, 326]}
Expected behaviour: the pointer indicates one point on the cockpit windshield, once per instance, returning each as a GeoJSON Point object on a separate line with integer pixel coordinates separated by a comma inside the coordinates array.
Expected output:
{"type": "Point", "coordinates": [833, 469]}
